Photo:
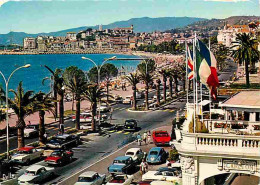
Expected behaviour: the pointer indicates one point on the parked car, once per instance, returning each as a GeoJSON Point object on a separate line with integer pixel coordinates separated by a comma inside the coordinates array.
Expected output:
{"type": "Point", "coordinates": [107, 126]}
{"type": "Point", "coordinates": [35, 174]}
{"type": "Point", "coordinates": [59, 157]}
{"type": "Point", "coordinates": [157, 155]}
{"type": "Point", "coordinates": [86, 126]}
{"type": "Point", "coordinates": [168, 174]}
{"type": "Point", "coordinates": [136, 153]}
{"type": "Point", "coordinates": [85, 117]}
{"type": "Point", "coordinates": [127, 100]}
{"type": "Point", "coordinates": [121, 165]}
{"type": "Point", "coordinates": [64, 141]}
{"type": "Point", "coordinates": [91, 178]}
{"type": "Point", "coordinates": [31, 131]}
{"type": "Point", "coordinates": [139, 95]}
{"type": "Point", "coordinates": [130, 125]}
{"type": "Point", "coordinates": [102, 108]}
{"type": "Point", "coordinates": [145, 182]}
{"type": "Point", "coordinates": [27, 154]}
{"type": "Point", "coordinates": [161, 138]}
{"type": "Point", "coordinates": [121, 180]}
{"type": "Point", "coordinates": [118, 99]}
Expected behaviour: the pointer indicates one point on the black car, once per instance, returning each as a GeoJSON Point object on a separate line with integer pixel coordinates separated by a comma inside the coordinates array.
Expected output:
{"type": "Point", "coordinates": [63, 141]}
{"type": "Point", "coordinates": [130, 125]}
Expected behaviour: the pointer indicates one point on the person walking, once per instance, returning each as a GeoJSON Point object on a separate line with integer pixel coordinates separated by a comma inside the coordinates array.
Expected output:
{"type": "Point", "coordinates": [145, 137]}
{"type": "Point", "coordinates": [45, 136]}
{"type": "Point", "coordinates": [139, 139]}
{"type": "Point", "coordinates": [149, 137]}
{"type": "Point", "coordinates": [143, 167]}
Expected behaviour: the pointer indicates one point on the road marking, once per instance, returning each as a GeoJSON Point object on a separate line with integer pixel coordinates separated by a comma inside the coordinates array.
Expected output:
{"type": "Point", "coordinates": [55, 128]}
{"type": "Point", "coordinates": [166, 110]}
{"type": "Point", "coordinates": [172, 110]}
{"type": "Point", "coordinates": [117, 108]}
{"type": "Point", "coordinates": [111, 131]}
{"type": "Point", "coordinates": [119, 132]}
{"type": "Point", "coordinates": [126, 133]}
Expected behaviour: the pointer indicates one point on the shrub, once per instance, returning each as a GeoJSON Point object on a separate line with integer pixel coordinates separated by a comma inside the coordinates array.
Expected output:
{"type": "Point", "coordinates": [173, 155]}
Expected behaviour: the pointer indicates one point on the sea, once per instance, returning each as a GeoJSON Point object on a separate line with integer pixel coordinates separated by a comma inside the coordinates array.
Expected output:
{"type": "Point", "coordinates": [32, 77]}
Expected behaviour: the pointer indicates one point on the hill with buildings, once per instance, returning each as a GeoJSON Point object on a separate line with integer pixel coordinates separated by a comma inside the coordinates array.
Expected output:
{"type": "Point", "coordinates": [144, 24]}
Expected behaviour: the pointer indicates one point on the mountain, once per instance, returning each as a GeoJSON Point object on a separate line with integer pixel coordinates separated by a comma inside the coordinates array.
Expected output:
{"type": "Point", "coordinates": [144, 24]}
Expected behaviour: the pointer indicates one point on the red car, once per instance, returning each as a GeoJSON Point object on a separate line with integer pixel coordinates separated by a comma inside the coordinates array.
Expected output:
{"type": "Point", "coordinates": [59, 157]}
{"type": "Point", "coordinates": [161, 138]}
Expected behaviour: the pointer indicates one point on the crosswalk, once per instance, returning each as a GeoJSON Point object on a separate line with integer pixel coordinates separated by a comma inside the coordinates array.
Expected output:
{"type": "Point", "coordinates": [168, 110]}
{"type": "Point", "coordinates": [120, 108]}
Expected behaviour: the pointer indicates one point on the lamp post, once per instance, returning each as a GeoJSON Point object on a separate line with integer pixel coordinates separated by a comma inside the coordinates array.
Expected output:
{"type": "Point", "coordinates": [98, 70]}
{"type": "Point", "coordinates": [6, 102]}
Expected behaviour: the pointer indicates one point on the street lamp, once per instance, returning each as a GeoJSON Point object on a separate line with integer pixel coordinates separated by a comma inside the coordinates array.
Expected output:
{"type": "Point", "coordinates": [98, 70]}
{"type": "Point", "coordinates": [6, 102]}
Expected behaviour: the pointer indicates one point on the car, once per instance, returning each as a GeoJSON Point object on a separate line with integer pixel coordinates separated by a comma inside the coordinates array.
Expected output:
{"type": "Point", "coordinates": [86, 126]}
{"type": "Point", "coordinates": [136, 153]}
{"type": "Point", "coordinates": [63, 141]}
{"type": "Point", "coordinates": [127, 100]}
{"type": "Point", "coordinates": [121, 180]}
{"type": "Point", "coordinates": [35, 174]}
{"type": "Point", "coordinates": [145, 182]}
{"type": "Point", "coordinates": [130, 125]}
{"type": "Point", "coordinates": [161, 175]}
{"type": "Point", "coordinates": [164, 183]}
{"type": "Point", "coordinates": [156, 155]}
{"type": "Point", "coordinates": [107, 126]}
{"type": "Point", "coordinates": [59, 157]}
{"type": "Point", "coordinates": [118, 99]}
{"type": "Point", "coordinates": [26, 154]}
{"type": "Point", "coordinates": [139, 95]}
{"type": "Point", "coordinates": [121, 165]}
{"type": "Point", "coordinates": [91, 178]}
{"type": "Point", "coordinates": [102, 108]}
{"type": "Point", "coordinates": [161, 138]}
{"type": "Point", "coordinates": [31, 131]}
{"type": "Point", "coordinates": [85, 117]}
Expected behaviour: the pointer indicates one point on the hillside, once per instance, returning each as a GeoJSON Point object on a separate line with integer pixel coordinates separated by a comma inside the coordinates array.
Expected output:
{"type": "Point", "coordinates": [144, 24]}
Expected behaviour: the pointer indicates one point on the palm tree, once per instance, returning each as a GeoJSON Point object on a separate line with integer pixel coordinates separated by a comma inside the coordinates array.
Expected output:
{"type": "Point", "coordinates": [23, 105]}
{"type": "Point", "coordinates": [44, 102]}
{"type": "Point", "coordinates": [182, 74]}
{"type": "Point", "coordinates": [170, 85]}
{"type": "Point", "coordinates": [133, 79]}
{"type": "Point", "coordinates": [76, 82]}
{"type": "Point", "coordinates": [94, 94]}
{"type": "Point", "coordinates": [175, 74]}
{"type": "Point", "coordinates": [245, 52]}
{"type": "Point", "coordinates": [147, 78]}
{"type": "Point", "coordinates": [164, 74]}
{"type": "Point", "coordinates": [58, 91]}
{"type": "Point", "coordinates": [158, 94]}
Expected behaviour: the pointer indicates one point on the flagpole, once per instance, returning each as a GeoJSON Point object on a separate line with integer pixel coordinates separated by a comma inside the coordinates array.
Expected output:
{"type": "Point", "coordinates": [201, 102]}
{"type": "Point", "coordinates": [194, 84]}
{"type": "Point", "coordinates": [209, 92]}
{"type": "Point", "coordinates": [187, 84]}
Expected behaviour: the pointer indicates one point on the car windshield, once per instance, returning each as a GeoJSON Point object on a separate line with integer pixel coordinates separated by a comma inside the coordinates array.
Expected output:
{"type": "Point", "coordinates": [129, 122]}
{"type": "Point", "coordinates": [153, 153]}
{"type": "Point", "coordinates": [30, 172]}
{"type": "Point", "coordinates": [161, 134]}
{"type": "Point", "coordinates": [56, 140]}
{"type": "Point", "coordinates": [85, 179]}
{"type": "Point", "coordinates": [129, 153]}
{"type": "Point", "coordinates": [24, 152]}
{"type": "Point", "coordinates": [119, 161]}
{"type": "Point", "coordinates": [56, 153]}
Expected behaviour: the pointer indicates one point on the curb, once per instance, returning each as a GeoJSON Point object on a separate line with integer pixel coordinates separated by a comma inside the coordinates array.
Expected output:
{"type": "Point", "coordinates": [141, 111]}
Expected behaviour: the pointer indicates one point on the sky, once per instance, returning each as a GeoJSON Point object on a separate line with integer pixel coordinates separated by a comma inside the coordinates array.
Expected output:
{"type": "Point", "coordinates": [36, 16]}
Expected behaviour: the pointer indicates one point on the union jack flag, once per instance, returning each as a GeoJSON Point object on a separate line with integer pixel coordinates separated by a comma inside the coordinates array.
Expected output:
{"type": "Point", "coordinates": [190, 64]}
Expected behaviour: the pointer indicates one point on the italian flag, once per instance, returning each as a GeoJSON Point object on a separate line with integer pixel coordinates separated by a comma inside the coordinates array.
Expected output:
{"type": "Point", "coordinates": [206, 67]}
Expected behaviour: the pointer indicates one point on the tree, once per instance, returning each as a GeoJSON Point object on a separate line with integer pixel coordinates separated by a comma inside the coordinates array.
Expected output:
{"type": "Point", "coordinates": [221, 53]}
{"type": "Point", "coordinates": [150, 66]}
{"type": "Point", "coordinates": [170, 85]}
{"type": "Point", "coordinates": [107, 72]}
{"type": "Point", "coordinates": [245, 52]}
{"type": "Point", "coordinates": [58, 91]}
{"type": "Point", "coordinates": [158, 94]}
{"type": "Point", "coordinates": [133, 79]}
{"type": "Point", "coordinates": [23, 105]}
{"type": "Point", "coordinates": [147, 78]}
{"type": "Point", "coordinates": [76, 82]}
{"type": "Point", "coordinates": [94, 94]}
{"type": "Point", "coordinates": [182, 74]}
{"type": "Point", "coordinates": [175, 74]}
{"type": "Point", "coordinates": [165, 74]}
{"type": "Point", "coordinates": [43, 102]}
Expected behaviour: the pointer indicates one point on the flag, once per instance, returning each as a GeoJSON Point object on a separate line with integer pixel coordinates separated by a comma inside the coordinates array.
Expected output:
{"type": "Point", "coordinates": [206, 66]}
{"type": "Point", "coordinates": [190, 64]}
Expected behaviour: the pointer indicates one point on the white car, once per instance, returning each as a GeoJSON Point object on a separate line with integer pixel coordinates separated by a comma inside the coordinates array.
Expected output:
{"type": "Point", "coordinates": [136, 153]}
{"type": "Point", "coordinates": [85, 117]}
{"type": "Point", "coordinates": [127, 100]}
{"type": "Point", "coordinates": [121, 180]}
{"type": "Point", "coordinates": [102, 108]}
{"type": "Point", "coordinates": [27, 154]}
{"type": "Point", "coordinates": [31, 131]}
{"type": "Point", "coordinates": [91, 178]}
{"type": "Point", "coordinates": [161, 175]}
{"type": "Point", "coordinates": [35, 174]}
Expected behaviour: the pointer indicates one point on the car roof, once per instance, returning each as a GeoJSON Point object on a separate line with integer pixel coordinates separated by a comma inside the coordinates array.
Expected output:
{"type": "Point", "coordinates": [133, 150]}
{"type": "Point", "coordinates": [26, 148]}
{"type": "Point", "coordinates": [63, 136]}
{"type": "Point", "coordinates": [34, 167]}
{"type": "Point", "coordinates": [122, 158]}
{"type": "Point", "coordinates": [160, 131]}
{"type": "Point", "coordinates": [130, 120]}
{"type": "Point", "coordinates": [156, 149]}
{"type": "Point", "coordinates": [88, 174]}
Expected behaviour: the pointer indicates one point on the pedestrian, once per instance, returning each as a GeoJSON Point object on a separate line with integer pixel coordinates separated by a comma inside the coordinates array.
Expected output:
{"type": "Point", "coordinates": [62, 128]}
{"type": "Point", "coordinates": [139, 139]}
{"type": "Point", "coordinates": [29, 122]}
{"type": "Point", "coordinates": [145, 137]}
{"type": "Point", "coordinates": [149, 137]}
{"type": "Point", "coordinates": [143, 167]}
{"type": "Point", "coordinates": [45, 136]}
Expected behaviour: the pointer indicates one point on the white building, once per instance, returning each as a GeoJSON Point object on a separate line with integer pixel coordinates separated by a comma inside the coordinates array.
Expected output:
{"type": "Point", "coordinates": [230, 146]}
{"type": "Point", "coordinates": [71, 36]}
{"type": "Point", "coordinates": [29, 43]}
